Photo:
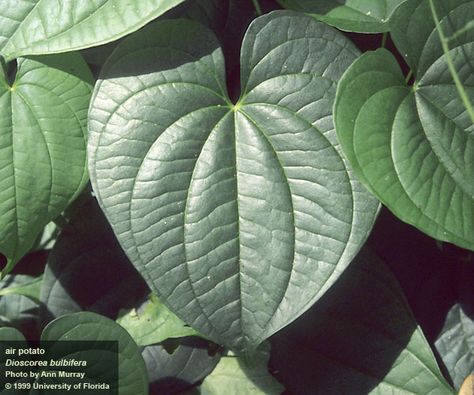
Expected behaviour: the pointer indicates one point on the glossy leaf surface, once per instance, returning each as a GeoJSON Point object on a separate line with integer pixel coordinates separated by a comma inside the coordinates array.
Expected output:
{"type": "Point", "coordinates": [42, 146]}
{"type": "Point", "coordinates": [228, 210]}
{"type": "Point", "coordinates": [365, 16]}
{"type": "Point", "coordinates": [34, 27]}
{"type": "Point", "coordinates": [413, 146]}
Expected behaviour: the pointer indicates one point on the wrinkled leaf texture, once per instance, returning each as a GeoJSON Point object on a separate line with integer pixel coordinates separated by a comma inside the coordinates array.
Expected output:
{"type": "Point", "coordinates": [35, 27]}
{"type": "Point", "coordinates": [239, 216]}
{"type": "Point", "coordinates": [363, 16]}
{"type": "Point", "coordinates": [413, 147]}
{"type": "Point", "coordinates": [43, 116]}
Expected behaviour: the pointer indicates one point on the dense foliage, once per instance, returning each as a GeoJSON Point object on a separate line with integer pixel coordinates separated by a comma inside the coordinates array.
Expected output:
{"type": "Point", "coordinates": [232, 236]}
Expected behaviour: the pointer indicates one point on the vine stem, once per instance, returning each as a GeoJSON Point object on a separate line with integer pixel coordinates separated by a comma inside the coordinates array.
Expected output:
{"type": "Point", "coordinates": [384, 39]}
{"type": "Point", "coordinates": [452, 69]}
{"type": "Point", "coordinates": [257, 7]}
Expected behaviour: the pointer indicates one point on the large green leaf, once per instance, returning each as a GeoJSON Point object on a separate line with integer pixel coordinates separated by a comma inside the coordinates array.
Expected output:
{"type": "Point", "coordinates": [365, 16]}
{"type": "Point", "coordinates": [228, 210]}
{"type": "Point", "coordinates": [413, 146]}
{"type": "Point", "coordinates": [360, 338]}
{"type": "Point", "coordinates": [85, 326]}
{"type": "Point", "coordinates": [42, 146]}
{"type": "Point", "coordinates": [33, 27]}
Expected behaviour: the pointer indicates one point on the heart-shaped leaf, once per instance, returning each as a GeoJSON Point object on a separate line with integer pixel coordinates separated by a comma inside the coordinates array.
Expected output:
{"type": "Point", "coordinates": [228, 210]}
{"type": "Point", "coordinates": [360, 338]}
{"type": "Point", "coordinates": [365, 16]}
{"type": "Point", "coordinates": [85, 326]}
{"type": "Point", "coordinates": [42, 146]}
{"type": "Point", "coordinates": [47, 26]}
{"type": "Point", "coordinates": [413, 147]}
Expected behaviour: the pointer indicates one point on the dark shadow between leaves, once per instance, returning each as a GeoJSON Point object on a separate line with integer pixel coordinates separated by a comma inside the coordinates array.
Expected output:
{"type": "Point", "coordinates": [88, 271]}
{"type": "Point", "coordinates": [175, 372]}
{"type": "Point", "coordinates": [349, 340]}
{"type": "Point", "coordinates": [434, 276]}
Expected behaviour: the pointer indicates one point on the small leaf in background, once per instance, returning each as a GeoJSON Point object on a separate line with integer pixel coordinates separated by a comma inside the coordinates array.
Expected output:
{"type": "Point", "coordinates": [227, 210]}
{"type": "Point", "coordinates": [48, 26]}
{"type": "Point", "coordinates": [174, 373]}
{"type": "Point", "coordinates": [42, 147]}
{"type": "Point", "coordinates": [30, 290]}
{"type": "Point", "coordinates": [10, 334]}
{"type": "Point", "coordinates": [85, 326]}
{"type": "Point", "coordinates": [360, 338]}
{"type": "Point", "coordinates": [364, 16]}
{"type": "Point", "coordinates": [86, 254]}
{"type": "Point", "coordinates": [17, 309]}
{"type": "Point", "coordinates": [239, 376]}
{"type": "Point", "coordinates": [455, 344]}
{"type": "Point", "coordinates": [413, 146]}
{"type": "Point", "coordinates": [153, 322]}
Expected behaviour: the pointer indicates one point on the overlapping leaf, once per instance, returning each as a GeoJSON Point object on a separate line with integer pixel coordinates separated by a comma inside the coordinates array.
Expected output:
{"type": "Point", "coordinates": [84, 326]}
{"type": "Point", "coordinates": [42, 146]}
{"type": "Point", "coordinates": [360, 338]}
{"type": "Point", "coordinates": [17, 309]}
{"type": "Point", "coordinates": [176, 372]}
{"type": "Point", "coordinates": [456, 344]}
{"type": "Point", "coordinates": [366, 16]}
{"type": "Point", "coordinates": [240, 377]}
{"type": "Point", "coordinates": [153, 323]}
{"type": "Point", "coordinates": [33, 27]}
{"type": "Point", "coordinates": [413, 147]}
{"type": "Point", "coordinates": [86, 252]}
{"type": "Point", "coordinates": [228, 210]}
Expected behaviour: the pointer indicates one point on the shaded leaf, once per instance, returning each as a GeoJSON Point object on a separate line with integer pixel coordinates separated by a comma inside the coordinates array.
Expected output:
{"type": "Point", "coordinates": [227, 210]}
{"type": "Point", "coordinates": [360, 338]}
{"type": "Point", "coordinates": [85, 326]}
{"type": "Point", "coordinates": [42, 145]}
{"type": "Point", "coordinates": [87, 253]}
{"type": "Point", "coordinates": [366, 16]}
{"type": "Point", "coordinates": [17, 310]}
{"type": "Point", "coordinates": [37, 27]}
{"type": "Point", "coordinates": [455, 344]}
{"type": "Point", "coordinates": [176, 372]}
{"type": "Point", "coordinates": [10, 334]}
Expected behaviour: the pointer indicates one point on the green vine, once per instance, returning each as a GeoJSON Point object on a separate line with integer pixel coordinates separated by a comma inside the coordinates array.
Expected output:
{"type": "Point", "coordinates": [452, 69]}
